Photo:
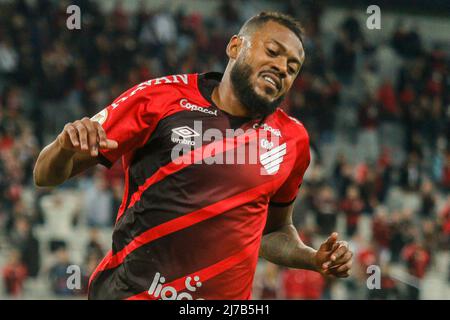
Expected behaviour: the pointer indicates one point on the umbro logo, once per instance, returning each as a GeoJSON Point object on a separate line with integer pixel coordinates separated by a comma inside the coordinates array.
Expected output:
{"type": "Point", "coordinates": [185, 132]}
{"type": "Point", "coordinates": [182, 134]}
{"type": "Point", "coordinates": [272, 159]}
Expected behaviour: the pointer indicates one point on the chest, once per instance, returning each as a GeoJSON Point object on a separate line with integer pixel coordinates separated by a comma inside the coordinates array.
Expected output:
{"type": "Point", "coordinates": [209, 147]}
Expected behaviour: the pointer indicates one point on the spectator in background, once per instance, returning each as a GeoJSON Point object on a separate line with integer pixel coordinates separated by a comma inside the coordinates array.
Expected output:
{"type": "Point", "coordinates": [389, 289]}
{"type": "Point", "coordinates": [117, 192]}
{"type": "Point", "coordinates": [88, 269]}
{"type": "Point", "coordinates": [398, 235]}
{"type": "Point", "coordinates": [14, 274]}
{"type": "Point", "coordinates": [325, 207]}
{"type": "Point", "coordinates": [384, 174]}
{"type": "Point", "coordinates": [344, 53]}
{"type": "Point", "coordinates": [381, 228]}
{"type": "Point", "coordinates": [59, 209]}
{"type": "Point", "coordinates": [352, 206]}
{"type": "Point", "coordinates": [445, 180]}
{"type": "Point", "coordinates": [406, 41]}
{"type": "Point", "coordinates": [444, 222]}
{"type": "Point", "coordinates": [367, 256]}
{"type": "Point", "coordinates": [430, 235]}
{"type": "Point", "coordinates": [25, 242]}
{"type": "Point", "coordinates": [98, 202]}
{"type": "Point", "coordinates": [8, 57]}
{"type": "Point", "coordinates": [343, 175]}
{"type": "Point", "coordinates": [302, 284]}
{"type": "Point", "coordinates": [268, 281]}
{"type": "Point", "coordinates": [417, 260]}
{"type": "Point", "coordinates": [411, 173]}
{"type": "Point", "coordinates": [58, 273]}
{"type": "Point", "coordinates": [94, 246]}
{"type": "Point", "coordinates": [368, 134]}
{"type": "Point", "coordinates": [366, 181]}
{"type": "Point", "coordinates": [427, 200]}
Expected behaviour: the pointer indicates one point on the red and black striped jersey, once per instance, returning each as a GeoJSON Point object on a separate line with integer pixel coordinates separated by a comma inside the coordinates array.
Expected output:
{"type": "Point", "coordinates": [198, 183]}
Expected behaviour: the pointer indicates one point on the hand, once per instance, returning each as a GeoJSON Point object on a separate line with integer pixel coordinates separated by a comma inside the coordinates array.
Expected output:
{"type": "Point", "coordinates": [85, 136]}
{"type": "Point", "coordinates": [334, 257]}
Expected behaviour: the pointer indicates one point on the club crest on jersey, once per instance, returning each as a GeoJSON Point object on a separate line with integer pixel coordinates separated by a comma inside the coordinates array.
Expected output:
{"type": "Point", "coordinates": [266, 144]}
{"type": "Point", "coordinates": [272, 159]}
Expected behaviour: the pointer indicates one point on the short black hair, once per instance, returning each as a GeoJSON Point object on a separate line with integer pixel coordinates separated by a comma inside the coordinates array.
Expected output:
{"type": "Point", "coordinates": [263, 17]}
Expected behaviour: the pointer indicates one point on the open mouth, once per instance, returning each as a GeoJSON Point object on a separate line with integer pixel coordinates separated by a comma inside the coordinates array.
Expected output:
{"type": "Point", "coordinates": [272, 80]}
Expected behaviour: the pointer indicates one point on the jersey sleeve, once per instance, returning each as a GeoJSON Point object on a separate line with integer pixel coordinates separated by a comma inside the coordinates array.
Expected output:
{"type": "Point", "coordinates": [287, 193]}
{"type": "Point", "coordinates": [130, 120]}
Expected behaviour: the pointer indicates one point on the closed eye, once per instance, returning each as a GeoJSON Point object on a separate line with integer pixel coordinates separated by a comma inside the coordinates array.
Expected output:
{"type": "Point", "coordinates": [271, 52]}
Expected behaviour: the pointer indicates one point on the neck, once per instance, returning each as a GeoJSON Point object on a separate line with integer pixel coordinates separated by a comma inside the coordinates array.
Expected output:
{"type": "Point", "coordinates": [225, 98]}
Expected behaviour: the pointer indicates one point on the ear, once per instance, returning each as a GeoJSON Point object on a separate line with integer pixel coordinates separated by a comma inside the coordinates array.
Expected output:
{"type": "Point", "coordinates": [233, 47]}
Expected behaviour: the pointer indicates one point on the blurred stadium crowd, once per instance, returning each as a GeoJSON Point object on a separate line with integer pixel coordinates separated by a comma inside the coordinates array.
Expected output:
{"type": "Point", "coordinates": [378, 116]}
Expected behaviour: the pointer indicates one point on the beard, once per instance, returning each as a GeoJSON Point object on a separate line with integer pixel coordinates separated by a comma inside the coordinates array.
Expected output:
{"type": "Point", "coordinates": [256, 105]}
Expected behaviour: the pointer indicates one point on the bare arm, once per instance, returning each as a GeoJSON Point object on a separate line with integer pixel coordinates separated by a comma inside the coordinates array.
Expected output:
{"type": "Point", "coordinates": [73, 151]}
{"type": "Point", "coordinates": [282, 245]}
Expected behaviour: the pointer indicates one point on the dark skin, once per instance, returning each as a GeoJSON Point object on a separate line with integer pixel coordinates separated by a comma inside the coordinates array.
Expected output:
{"type": "Point", "coordinates": [282, 245]}
{"type": "Point", "coordinates": [273, 50]}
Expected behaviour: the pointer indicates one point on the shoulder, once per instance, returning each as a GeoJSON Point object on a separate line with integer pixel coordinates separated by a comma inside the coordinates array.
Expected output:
{"type": "Point", "coordinates": [291, 126]}
{"type": "Point", "coordinates": [292, 129]}
{"type": "Point", "coordinates": [169, 83]}
{"type": "Point", "coordinates": [158, 89]}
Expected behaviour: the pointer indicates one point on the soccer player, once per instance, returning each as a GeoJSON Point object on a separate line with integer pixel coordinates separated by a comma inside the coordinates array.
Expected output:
{"type": "Point", "coordinates": [195, 229]}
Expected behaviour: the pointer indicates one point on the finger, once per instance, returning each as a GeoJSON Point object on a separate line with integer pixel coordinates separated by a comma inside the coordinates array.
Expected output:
{"type": "Point", "coordinates": [112, 144]}
{"type": "Point", "coordinates": [343, 268]}
{"type": "Point", "coordinates": [331, 265]}
{"type": "Point", "coordinates": [333, 257]}
{"type": "Point", "coordinates": [82, 134]}
{"type": "Point", "coordinates": [338, 275]}
{"type": "Point", "coordinates": [328, 244]}
{"type": "Point", "coordinates": [344, 258]}
{"type": "Point", "coordinates": [340, 251]}
{"type": "Point", "coordinates": [329, 272]}
{"type": "Point", "coordinates": [72, 133]}
{"type": "Point", "coordinates": [335, 246]}
{"type": "Point", "coordinates": [337, 262]}
{"type": "Point", "coordinates": [103, 141]}
{"type": "Point", "coordinates": [345, 274]}
{"type": "Point", "coordinates": [92, 136]}
{"type": "Point", "coordinates": [339, 267]}
{"type": "Point", "coordinates": [343, 271]}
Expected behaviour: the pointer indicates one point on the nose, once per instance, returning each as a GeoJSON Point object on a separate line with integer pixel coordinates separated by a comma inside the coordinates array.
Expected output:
{"type": "Point", "coordinates": [280, 66]}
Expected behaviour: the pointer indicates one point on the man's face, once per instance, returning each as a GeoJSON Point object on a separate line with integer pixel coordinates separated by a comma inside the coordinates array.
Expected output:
{"type": "Point", "coordinates": [267, 65]}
